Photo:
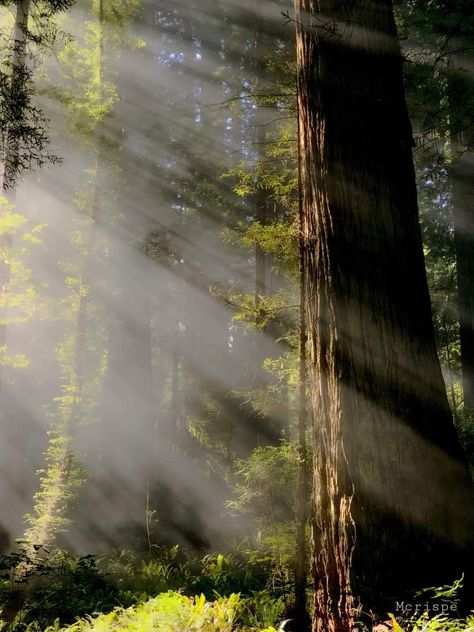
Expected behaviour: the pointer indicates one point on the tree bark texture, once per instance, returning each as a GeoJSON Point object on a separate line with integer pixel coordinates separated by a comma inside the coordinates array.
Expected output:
{"type": "Point", "coordinates": [390, 482]}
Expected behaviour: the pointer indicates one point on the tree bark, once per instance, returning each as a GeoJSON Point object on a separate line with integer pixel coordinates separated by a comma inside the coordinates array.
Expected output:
{"type": "Point", "coordinates": [390, 481]}
{"type": "Point", "coordinates": [301, 558]}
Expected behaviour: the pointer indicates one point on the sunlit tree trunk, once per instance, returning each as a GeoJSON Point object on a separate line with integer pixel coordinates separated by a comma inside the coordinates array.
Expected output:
{"type": "Point", "coordinates": [389, 482]}
{"type": "Point", "coordinates": [301, 557]}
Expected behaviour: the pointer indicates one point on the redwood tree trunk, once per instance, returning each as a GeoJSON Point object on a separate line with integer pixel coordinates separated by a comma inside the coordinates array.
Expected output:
{"type": "Point", "coordinates": [389, 477]}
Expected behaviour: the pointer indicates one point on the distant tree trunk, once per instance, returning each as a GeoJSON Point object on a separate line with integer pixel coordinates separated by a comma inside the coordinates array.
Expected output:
{"type": "Point", "coordinates": [261, 216]}
{"type": "Point", "coordinates": [174, 412]}
{"type": "Point", "coordinates": [463, 194]}
{"type": "Point", "coordinates": [389, 478]}
{"type": "Point", "coordinates": [462, 172]}
{"type": "Point", "coordinates": [260, 256]}
{"type": "Point", "coordinates": [56, 495]}
{"type": "Point", "coordinates": [263, 424]}
{"type": "Point", "coordinates": [265, 431]}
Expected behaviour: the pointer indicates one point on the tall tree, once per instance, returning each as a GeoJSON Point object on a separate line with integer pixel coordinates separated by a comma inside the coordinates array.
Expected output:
{"type": "Point", "coordinates": [23, 125]}
{"type": "Point", "coordinates": [23, 137]}
{"type": "Point", "coordinates": [28, 31]}
{"type": "Point", "coordinates": [462, 142]}
{"type": "Point", "coordinates": [389, 477]}
{"type": "Point", "coordinates": [441, 97]}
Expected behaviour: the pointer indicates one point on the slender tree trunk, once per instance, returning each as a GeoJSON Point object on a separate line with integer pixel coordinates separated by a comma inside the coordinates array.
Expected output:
{"type": "Point", "coordinates": [174, 414]}
{"type": "Point", "coordinates": [461, 172]}
{"type": "Point", "coordinates": [463, 193]}
{"type": "Point", "coordinates": [390, 482]}
{"type": "Point", "coordinates": [261, 216]}
{"type": "Point", "coordinates": [259, 381]}
{"type": "Point", "coordinates": [261, 201]}
{"type": "Point", "coordinates": [271, 427]}
{"type": "Point", "coordinates": [56, 494]}
{"type": "Point", "coordinates": [301, 614]}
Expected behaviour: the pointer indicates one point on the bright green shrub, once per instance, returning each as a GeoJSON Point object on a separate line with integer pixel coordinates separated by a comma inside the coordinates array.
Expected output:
{"type": "Point", "coordinates": [439, 623]}
{"type": "Point", "coordinates": [168, 612]}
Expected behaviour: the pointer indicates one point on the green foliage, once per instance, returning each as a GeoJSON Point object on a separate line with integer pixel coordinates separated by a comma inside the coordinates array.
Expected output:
{"type": "Point", "coordinates": [278, 238]}
{"type": "Point", "coordinates": [438, 623]}
{"type": "Point", "coordinates": [465, 427]}
{"type": "Point", "coordinates": [223, 574]}
{"type": "Point", "coordinates": [266, 483]}
{"type": "Point", "coordinates": [174, 612]}
{"type": "Point", "coordinates": [21, 299]}
{"type": "Point", "coordinates": [59, 481]}
{"type": "Point", "coordinates": [139, 578]}
{"type": "Point", "coordinates": [445, 598]}
{"type": "Point", "coordinates": [448, 593]}
{"type": "Point", "coordinates": [89, 98]}
{"type": "Point", "coordinates": [58, 586]}
{"type": "Point", "coordinates": [256, 312]}
{"type": "Point", "coordinates": [87, 90]}
{"type": "Point", "coordinates": [262, 610]}
{"type": "Point", "coordinates": [265, 489]}
{"type": "Point", "coordinates": [171, 568]}
{"type": "Point", "coordinates": [24, 139]}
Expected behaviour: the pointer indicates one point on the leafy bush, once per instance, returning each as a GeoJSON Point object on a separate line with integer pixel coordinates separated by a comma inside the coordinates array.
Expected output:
{"type": "Point", "coordinates": [446, 598]}
{"type": "Point", "coordinates": [439, 623]}
{"type": "Point", "coordinates": [168, 612]}
{"type": "Point", "coordinates": [38, 588]}
{"type": "Point", "coordinates": [266, 483]}
{"type": "Point", "coordinates": [215, 574]}
{"type": "Point", "coordinates": [137, 578]}
{"type": "Point", "coordinates": [57, 588]}
{"type": "Point", "coordinates": [261, 609]}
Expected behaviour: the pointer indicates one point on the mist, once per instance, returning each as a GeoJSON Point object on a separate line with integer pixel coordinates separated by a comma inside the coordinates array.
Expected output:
{"type": "Point", "coordinates": [125, 332]}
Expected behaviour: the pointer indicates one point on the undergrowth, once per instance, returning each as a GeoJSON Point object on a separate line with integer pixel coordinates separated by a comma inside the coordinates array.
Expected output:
{"type": "Point", "coordinates": [170, 592]}
{"type": "Point", "coordinates": [169, 612]}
